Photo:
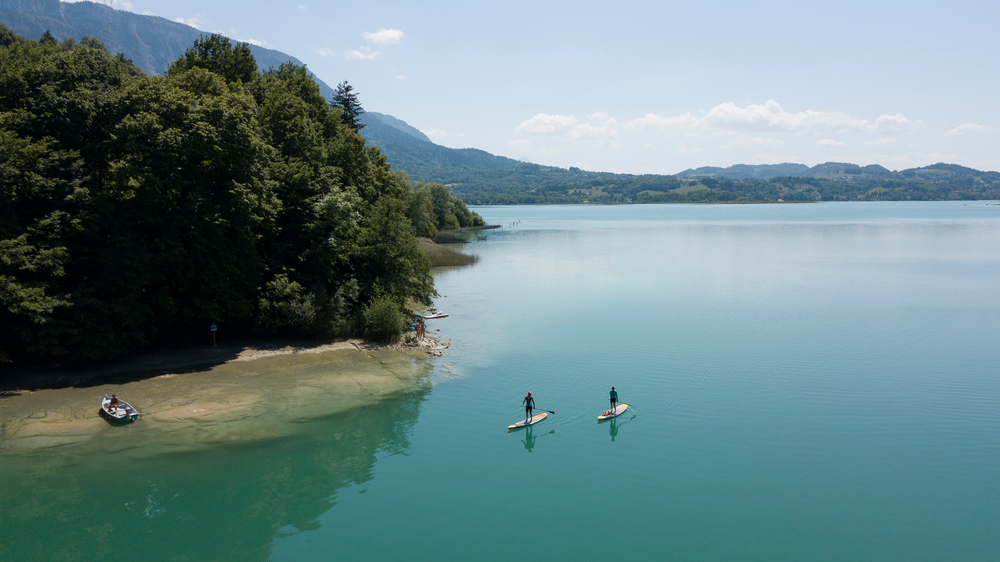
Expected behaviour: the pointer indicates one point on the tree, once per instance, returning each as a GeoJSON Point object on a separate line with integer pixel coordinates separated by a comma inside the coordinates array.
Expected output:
{"type": "Point", "coordinates": [347, 102]}
{"type": "Point", "coordinates": [216, 54]}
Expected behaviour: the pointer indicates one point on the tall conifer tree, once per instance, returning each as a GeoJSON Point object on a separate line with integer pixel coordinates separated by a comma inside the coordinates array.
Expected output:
{"type": "Point", "coordinates": [346, 100]}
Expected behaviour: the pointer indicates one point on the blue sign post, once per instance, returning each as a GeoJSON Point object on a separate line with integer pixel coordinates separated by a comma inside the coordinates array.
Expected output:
{"type": "Point", "coordinates": [214, 329]}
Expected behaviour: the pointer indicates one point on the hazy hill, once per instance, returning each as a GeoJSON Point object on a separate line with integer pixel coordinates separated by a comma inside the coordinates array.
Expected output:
{"type": "Point", "coordinates": [151, 42]}
{"type": "Point", "coordinates": [370, 116]}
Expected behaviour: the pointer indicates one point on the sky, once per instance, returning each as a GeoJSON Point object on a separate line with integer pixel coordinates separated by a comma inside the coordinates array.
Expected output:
{"type": "Point", "coordinates": [653, 87]}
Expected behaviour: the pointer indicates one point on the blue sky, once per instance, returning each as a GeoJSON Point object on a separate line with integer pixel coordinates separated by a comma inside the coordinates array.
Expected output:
{"type": "Point", "coordinates": [653, 87]}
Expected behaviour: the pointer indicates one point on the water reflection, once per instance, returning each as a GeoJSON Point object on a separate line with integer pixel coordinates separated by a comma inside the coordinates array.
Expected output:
{"type": "Point", "coordinates": [227, 503]}
{"type": "Point", "coordinates": [530, 437]}
{"type": "Point", "coordinates": [614, 424]}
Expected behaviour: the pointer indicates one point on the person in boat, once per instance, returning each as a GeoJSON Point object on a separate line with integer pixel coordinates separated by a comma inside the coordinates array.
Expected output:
{"type": "Point", "coordinates": [529, 404]}
{"type": "Point", "coordinates": [113, 405]}
{"type": "Point", "coordinates": [614, 400]}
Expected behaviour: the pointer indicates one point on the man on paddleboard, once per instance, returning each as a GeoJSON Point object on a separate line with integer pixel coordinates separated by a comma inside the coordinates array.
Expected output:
{"type": "Point", "coordinates": [614, 400]}
{"type": "Point", "coordinates": [528, 404]}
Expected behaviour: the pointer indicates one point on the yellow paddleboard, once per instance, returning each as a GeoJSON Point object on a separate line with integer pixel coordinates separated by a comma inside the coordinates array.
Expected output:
{"type": "Point", "coordinates": [532, 421]}
{"type": "Point", "coordinates": [619, 410]}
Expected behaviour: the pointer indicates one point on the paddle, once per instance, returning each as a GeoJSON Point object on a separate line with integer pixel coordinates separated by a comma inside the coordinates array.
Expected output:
{"type": "Point", "coordinates": [549, 411]}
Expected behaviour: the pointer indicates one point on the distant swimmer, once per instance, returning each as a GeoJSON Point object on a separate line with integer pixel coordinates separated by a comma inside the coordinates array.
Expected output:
{"type": "Point", "coordinates": [529, 404]}
{"type": "Point", "coordinates": [614, 399]}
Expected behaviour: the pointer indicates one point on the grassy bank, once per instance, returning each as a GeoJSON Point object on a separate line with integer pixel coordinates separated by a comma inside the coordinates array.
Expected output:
{"type": "Point", "coordinates": [443, 256]}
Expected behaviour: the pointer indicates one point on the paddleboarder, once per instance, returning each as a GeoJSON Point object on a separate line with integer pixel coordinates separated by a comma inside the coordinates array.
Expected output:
{"type": "Point", "coordinates": [614, 400]}
{"type": "Point", "coordinates": [528, 404]}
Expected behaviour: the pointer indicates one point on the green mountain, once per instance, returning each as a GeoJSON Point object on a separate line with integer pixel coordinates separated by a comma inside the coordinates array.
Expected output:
{"type": "Point", "coordinates": [478, 177]}
{"type": "Point", "coordinates": [151, 42]}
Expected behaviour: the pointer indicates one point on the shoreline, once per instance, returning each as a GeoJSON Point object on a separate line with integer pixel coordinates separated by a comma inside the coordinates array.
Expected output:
{"type": "Point", "coordinates": [152, 363]}
{"type": "Point", "coordinates": [196, 398]}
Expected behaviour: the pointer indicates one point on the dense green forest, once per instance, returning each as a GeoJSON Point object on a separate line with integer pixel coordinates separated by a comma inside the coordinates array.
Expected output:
{"type": "Point", "coordinates": [137, 210]}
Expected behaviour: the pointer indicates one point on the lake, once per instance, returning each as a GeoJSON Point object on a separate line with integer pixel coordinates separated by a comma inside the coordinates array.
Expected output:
{"type": "Point", "coordinates": [806, 382]}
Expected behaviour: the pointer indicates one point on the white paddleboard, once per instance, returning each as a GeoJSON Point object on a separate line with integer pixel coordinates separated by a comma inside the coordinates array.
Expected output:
{"type": "Point", "coordinates": [619, 410]}
{"type": "Point", "coordinates": [532, 421]}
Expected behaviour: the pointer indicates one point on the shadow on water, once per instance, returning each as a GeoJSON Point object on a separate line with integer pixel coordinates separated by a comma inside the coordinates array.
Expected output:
{"type": "Point", "coordinates": [228, 503]}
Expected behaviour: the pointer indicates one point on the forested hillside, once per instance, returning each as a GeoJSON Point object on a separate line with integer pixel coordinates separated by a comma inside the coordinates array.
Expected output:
{"type": "Point", "coordinates": [151, 42]}
{"type": "Point", "coordinates": [137, 210]}
{"type": "Point", "coordinates": [479, 177]}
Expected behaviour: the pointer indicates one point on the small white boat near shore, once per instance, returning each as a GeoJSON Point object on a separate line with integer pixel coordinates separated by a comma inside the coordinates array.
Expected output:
{"type": "Point", "coordinates": [436, 315]}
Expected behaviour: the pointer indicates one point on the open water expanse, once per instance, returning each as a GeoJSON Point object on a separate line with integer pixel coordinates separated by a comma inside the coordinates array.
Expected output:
{"type": "Point", "coordinates": [807, 382]}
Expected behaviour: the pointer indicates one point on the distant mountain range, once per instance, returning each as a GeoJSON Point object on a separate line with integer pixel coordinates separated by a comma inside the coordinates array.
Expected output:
{"type": "Point", "coordinates": [477, 176]}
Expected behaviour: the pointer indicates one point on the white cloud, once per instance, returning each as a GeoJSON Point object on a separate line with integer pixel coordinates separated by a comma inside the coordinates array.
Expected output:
{"type": "Point", "coordinates": [543, 124]}
{"type": "Point", "coordinates": [520, 143]}
{"type": "Point", "coordinates": [881, 141]}
{"type": "Point", "coordinates": [771, 116]}
{"type": "Point", "coordinates": [608, 130]}
{"type": "Point", "coordinates": [258, 42]}
{"type": "Point", "coordinates": [649, 146]}
{"type": "Point", "coordinates": [743, 140]}
{"type": "Point", "coordinates": [401, 78]}
{"type": "Point", "coordinates": [829, 142]}
{"type": "Point", "coordinates": [598, 116]}
{"type": "Point", "coordinates": [301, 7]}
{"type": "Point", "coordinates": [767, 116]}
{"type": "Point", "coordinates": [384, 36]}
{"type": "Point", "coordinates": [363, 53]}
{"type": "Point", "coordinates": [435, 134]}
{"type": "Point", "coordinates": [326, 52]}
{"type": "Point", "coordinates": [895, 123]}
{"type": "Point", "coordinates": [659, 123]}
{"type": "Point", "coordinates": [966, 128]}
{"type": "Point", "coordinates": [193, 22]}
{"type": "Point", "coordinates": [681, 149]}
{"type": "Point", "coordinates": [116, 4]}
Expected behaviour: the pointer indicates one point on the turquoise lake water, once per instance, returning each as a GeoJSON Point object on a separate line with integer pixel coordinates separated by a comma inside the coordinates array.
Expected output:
{"type": "Point", "coordinates": [806, 382]}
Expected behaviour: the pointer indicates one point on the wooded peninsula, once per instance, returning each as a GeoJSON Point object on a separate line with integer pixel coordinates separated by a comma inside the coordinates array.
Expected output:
{"type": "Point", "coordinates": [139, 210]}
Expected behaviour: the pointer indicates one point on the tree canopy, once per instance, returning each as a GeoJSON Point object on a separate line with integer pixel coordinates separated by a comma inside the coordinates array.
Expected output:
{"type": "Point", "coordinates": [137, 210]}
{"type": "Point", "coordinates": [346, 100]}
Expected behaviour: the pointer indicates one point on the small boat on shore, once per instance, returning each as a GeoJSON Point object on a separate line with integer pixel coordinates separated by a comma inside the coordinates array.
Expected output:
{"type": "Point", "coordinates": [122, 413]}
{"type": "Point", "coordinates": [436, 315]}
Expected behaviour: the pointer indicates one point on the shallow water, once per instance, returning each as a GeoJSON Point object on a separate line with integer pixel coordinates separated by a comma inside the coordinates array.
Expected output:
{"type": "Point", "coordinates": [805, 382]}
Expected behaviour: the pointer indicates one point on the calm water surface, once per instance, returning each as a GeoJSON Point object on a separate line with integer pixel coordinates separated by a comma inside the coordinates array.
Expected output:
{"type": "Point", "coordinates": [807, 382]}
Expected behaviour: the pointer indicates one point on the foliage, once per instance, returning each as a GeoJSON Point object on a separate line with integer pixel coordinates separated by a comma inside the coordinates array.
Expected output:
{"type": "Point", "coordinates": [383, 320]}
{"type": "Point", "coordinates": [346, 100]}
{"type": "Point", "coordinates": [431, 207]}
{"type": "Point", "coordinates": [139, 210]}
{"type": "Point", "coordinates": [153, 43]}
{"type": "Point", "coordinates": [217, 55]}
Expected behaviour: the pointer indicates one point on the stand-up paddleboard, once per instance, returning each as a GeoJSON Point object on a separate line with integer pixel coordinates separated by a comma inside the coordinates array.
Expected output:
{"type": "Point", "coordinates": [619, 410]}
{"type": "Point", "coordinates": [532, 421]}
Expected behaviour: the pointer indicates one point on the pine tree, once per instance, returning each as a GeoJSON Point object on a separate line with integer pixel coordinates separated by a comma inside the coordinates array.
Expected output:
{"type": "Point", "coordinates": [347, 102]}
